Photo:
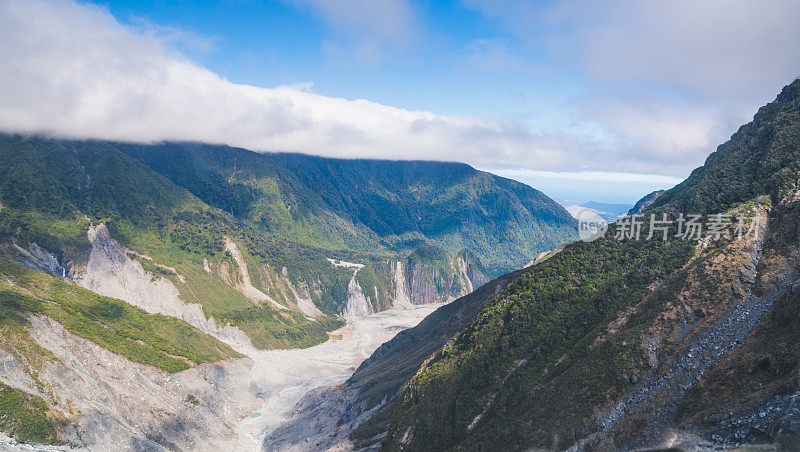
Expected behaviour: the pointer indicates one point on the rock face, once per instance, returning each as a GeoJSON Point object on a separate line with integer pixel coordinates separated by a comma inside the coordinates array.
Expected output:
{"type": "Point", "coordinates": [645, 202]}
{"type": "Point", "coordinates": [429, 275]}
{"type": "Point", "coordinates": [402, 298]}
{"type": "Point", "coordinates": [245, 284]}
{"type": "Point", "coordinates": [38, 259]}
{"type": "Point", "coordinates": [434, 276]}
{"type": "Point", "coordinates": [111, 272]}
{"type": "Point", "coordinates": [357, 303]}
{"type": "Point", "coordinates": [124, 405]}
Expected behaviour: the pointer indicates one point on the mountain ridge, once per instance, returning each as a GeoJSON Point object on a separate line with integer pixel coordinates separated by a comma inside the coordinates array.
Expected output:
{"type": "Point", "coordinates": [496, 382]}
{"type": "Point", "coordinates": [376, 205]}
{"type": "Point", "coordinates": [616, 344]}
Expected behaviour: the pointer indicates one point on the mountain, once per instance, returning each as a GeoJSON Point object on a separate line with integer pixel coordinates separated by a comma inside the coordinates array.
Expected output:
{"type": "Point", "coordinates": [615, 344]}
{"type": "Point", "coordinates": [118, 228]}
{"type": "Point", "coordinates": [174, 265]}
{"type": "Point", "coordinates": [645, 202]}
{"type": "Point", "coordinates": [374, 206]}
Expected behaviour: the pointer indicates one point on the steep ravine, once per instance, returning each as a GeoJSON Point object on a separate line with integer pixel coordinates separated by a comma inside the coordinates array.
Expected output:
{"type": "Point", "coordinates": [229, 405]}
{"type": "Point", "coordinates": [325, 417]}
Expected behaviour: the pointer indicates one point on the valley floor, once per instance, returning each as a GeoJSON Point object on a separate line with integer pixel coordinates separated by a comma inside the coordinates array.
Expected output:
{"type": "Point", "coordinates": [292, 373]}
{"type": "Point", "coordinates": [255, 393]}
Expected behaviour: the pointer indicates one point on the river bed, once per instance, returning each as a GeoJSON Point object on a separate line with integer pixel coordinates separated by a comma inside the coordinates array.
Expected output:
{"type": "Point", "coordinates": [288, 375]}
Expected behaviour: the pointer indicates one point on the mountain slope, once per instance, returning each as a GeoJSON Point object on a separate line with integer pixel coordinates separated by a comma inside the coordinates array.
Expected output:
{"type": "Point", "coordinates": [620, 344]}
{"type": "Point", "coordinates": [166, 230]}
{"type": "Point", "coordinates": [369, 205]}
{"type": "Point", "coordinates": [31, 409]}
{"type": "Point", "coordinates": [762, 157]}
{"type": "Point", "coordinates": [505, 223]}
{"type": "Point", "coordinates": [255, 188]}
{"type": "Point", "coordinates": [271, 267]}
{"type": "Point", "coordinates": [645, 202]}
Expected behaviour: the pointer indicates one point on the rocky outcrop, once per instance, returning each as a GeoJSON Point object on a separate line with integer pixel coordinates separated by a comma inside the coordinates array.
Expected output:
{"type": "Point", "coordinates": [111, 272]}
{"type": "Point", "coordinates": [435, 276]}
{"type": "Point", "coordinates": [245, 284]}
{"type": "Point", "coordinates": [302, 297]}
{"type": "Point", "coordinates": [115, 404]}
{"type": "Point", "coordinates": [402, 298]}
{"type": "Point", "coordinates": [429, 275]}
{"type": "Point", "coordinates": [645, 202]}
{"type": "Point", "coordinates": [356, 303]}
{"type": "Point", "coordinates": [36, 258]}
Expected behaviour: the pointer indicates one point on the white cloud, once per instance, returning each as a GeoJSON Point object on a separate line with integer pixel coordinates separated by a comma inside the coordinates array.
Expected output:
{"type": "Point", "coordinates": [706, 48]}
{"type": "Point", "coordinates": [667, 80]}
{"type": "Point", "coordinates": [72, 70]}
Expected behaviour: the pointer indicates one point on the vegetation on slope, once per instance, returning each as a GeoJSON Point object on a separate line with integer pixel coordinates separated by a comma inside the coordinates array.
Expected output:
{"type": "Point", "coordinates": [164, 342]}
{"type": "Point", "coordinates": [548, 351]}
{"type": "Point", "coordinates": [53, 206]}
{"type": "Point", "coordinates": [26, 417]}
{"type": "Point", "coordinates": [368, 205]}
{"type": "Point", "coordinates": [555, 310]}
{"type": "Point", "coordinates": [254, 188]}
{"type": "Point", "coordinates": [450, 205]}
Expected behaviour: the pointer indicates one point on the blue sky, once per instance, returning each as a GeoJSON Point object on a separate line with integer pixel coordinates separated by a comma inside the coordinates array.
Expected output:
{"type": "Point", "coordinates": [585, 99]}
{"type": "Point", "coordinates": [444, 64]}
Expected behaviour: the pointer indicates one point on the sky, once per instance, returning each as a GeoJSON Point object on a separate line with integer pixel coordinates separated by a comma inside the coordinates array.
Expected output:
{"type": "Point", "coordinates": [600, 100]}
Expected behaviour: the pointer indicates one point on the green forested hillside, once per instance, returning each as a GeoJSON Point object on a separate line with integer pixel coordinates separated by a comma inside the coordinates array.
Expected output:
{"type": "Point", "coordinates": [762, 157]}
{"type": "Point", "coordinates": [555, 310]}
{"type": "Point", "coordinates": [254, 188]}
{"type": "Point", "coordinates": [600, 345]}
{"type": "Point", "coordinates": [52, 190]}
{"type": "Point", "coordinates": [369, 205]}
{"type": "Point", "coordinates": [505, 223]}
